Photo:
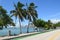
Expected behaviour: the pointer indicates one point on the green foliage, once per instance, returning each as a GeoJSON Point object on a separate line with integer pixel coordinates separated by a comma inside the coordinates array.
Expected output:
{"type": "Point", "coordinates": [50, 24]}
{"type": "Point", "coordinates": [5, 20]}
{"type": "Point", "coordinates": [44, 24]}
{"type": "Point", "coordinates": [57, 24]}
{"type": "Point", "coordinates": [31, 13]}
{"type": "Point", "coordinates": [39, 23]}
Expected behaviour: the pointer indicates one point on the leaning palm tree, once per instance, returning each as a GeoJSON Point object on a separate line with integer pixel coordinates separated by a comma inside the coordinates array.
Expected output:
{"type": "Point", "coordinates": [5, 20]}
{"type": "Point", "coordinates": [8, 21]}
{"type": "Point", "coordinates": [18, 13]}
{"type": "Point", "coordinates": [31, 14]}
{"type": "Point", "coordinates": [4, 17]}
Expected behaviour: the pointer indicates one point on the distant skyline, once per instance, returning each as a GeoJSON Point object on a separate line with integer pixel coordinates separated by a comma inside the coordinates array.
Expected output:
{"type": "Point", "coordinates": [47, 9]}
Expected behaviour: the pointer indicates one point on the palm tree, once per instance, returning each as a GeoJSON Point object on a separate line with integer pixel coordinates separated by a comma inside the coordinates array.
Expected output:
{"type": "Point", "coordinates": [49, 24]}
{"type": "Point", "coordinates": [19, 13]}
{"type": "Point", "coordinates": [39, 23]}
{"type": "Point", "coordinates": [5, 20]}
{"type": "Point", "coordinates": [31, 14]}
{"type": "Point", "coordinates": [2, 11]}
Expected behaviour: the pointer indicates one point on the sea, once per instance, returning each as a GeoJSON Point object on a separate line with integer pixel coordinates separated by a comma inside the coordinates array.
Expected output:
{"type": "Point", "coordinates": [14, 30]}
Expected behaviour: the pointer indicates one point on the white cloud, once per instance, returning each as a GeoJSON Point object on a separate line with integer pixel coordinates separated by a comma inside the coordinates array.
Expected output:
{"type": "Point", "coordinates": [52, 16]}
{"type": "Point", "coordinates": [55, 20]}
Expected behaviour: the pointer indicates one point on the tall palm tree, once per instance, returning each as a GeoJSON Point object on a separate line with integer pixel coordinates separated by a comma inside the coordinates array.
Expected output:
{"type": "Point", "coordinates": [18, 13]}
{"type": "Point", "coordinates": [31, 14]}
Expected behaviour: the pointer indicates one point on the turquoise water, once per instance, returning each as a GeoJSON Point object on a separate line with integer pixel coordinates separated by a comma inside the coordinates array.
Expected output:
{"type": "Point", "coordinates": [15, 30]}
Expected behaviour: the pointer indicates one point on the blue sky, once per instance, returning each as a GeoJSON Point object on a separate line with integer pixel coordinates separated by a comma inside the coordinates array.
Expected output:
{"type": "Point", "coordinates": [47, 9]}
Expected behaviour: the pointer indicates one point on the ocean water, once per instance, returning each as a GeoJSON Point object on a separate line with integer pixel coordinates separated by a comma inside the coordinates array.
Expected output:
{"type": "Point", "coordinates": [5, 31]}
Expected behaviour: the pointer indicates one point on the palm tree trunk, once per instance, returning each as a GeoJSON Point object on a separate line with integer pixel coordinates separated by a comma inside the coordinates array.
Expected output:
{"type": "Point", "coordinates": [15, 20]}
{"type": "Point", "coordinates": [33, 29]}
{"type": "Point", "coordinates": [28, 28]}
{"type": "Point", "coordinates": [20, 27]}
{"type": "Point", "coordinates": [9, 33]}
{"type": "Point", "coordinates": [37, 29]}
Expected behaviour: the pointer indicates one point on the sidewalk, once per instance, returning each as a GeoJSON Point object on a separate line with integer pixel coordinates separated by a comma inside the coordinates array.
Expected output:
{"type": "Point", "coordinates": [9, 37]}
{"type": "Point", "coordinates": [52, 35]}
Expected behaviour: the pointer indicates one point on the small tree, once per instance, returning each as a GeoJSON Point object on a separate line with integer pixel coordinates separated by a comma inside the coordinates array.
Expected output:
{"type": "Point", "coordinates": [49, 24]}
{"type": "Point", "coordinates": [39, 23]}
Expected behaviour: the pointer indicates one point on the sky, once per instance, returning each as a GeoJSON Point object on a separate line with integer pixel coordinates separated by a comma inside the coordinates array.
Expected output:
{"type": "Point", "coordinates": [47, 9]}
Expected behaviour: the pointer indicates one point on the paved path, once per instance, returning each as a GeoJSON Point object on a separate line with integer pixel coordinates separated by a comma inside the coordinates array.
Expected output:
{"type": "Point", "coordinates": [8, 37]}
{"type": "Point", "coordinates": [53, 35]}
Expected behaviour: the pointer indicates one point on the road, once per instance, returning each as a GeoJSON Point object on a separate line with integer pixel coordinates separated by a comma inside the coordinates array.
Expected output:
{"type": "Point", "coordinates": [53, 35]}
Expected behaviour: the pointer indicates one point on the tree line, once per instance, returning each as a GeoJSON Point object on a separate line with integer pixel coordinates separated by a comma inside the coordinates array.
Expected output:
{"type": "Point", "coordinates": [39, 23]}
